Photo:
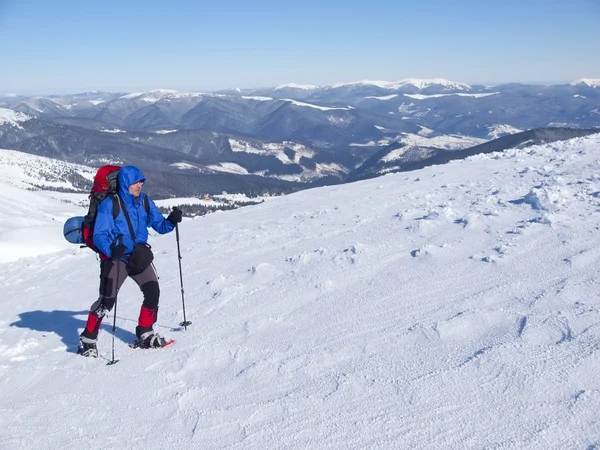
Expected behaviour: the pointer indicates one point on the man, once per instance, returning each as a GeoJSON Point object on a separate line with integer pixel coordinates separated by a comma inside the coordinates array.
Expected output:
{"type": "Point", "coordinates": [123, 243]}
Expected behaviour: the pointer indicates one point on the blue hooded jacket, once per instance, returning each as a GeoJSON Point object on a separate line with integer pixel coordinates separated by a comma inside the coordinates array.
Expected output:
{"type": "Point", "coordinates": [106, 229]}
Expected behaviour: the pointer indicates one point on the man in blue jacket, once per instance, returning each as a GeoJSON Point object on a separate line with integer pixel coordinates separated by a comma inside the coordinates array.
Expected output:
{"type": "Point", "coordinates": [125, 252]}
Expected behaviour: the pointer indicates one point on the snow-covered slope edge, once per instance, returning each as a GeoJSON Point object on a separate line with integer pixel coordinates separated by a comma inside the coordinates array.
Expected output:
{"type": "Point", "coordinates": [31, 220]}
{"type": "Point", "coordinates": [387, 313]}
{"type": "Point", "coordinates": [34, 172]}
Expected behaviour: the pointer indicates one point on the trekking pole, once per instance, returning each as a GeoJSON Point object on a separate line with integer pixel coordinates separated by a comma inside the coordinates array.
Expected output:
{"type": "Point", "coordinates": [185, 322]}
{"type": "Point", "coordinates": [114, 328]}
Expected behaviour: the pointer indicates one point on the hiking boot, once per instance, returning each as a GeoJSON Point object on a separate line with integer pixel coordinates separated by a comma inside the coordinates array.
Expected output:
{"type": "Point", "coordinates": [151, 340]}
{"type": "Point", "coordinates": [87, 349]}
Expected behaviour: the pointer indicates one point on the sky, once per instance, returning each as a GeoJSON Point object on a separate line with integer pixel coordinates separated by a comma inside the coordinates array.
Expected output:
{"type": "Point", "coordinates": [130, 46]}
{"type": "Point", "coordinates": [451, 307]}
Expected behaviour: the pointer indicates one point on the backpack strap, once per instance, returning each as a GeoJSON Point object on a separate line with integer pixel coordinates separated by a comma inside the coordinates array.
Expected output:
{"type": "Point", "coordinates": [126, 214]}
{"type": "Point", "coordinates": [117, 208]}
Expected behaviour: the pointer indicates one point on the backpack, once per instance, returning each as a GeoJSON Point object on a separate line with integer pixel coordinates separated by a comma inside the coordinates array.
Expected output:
{"type": "Point", "coordinates": [105, 184]}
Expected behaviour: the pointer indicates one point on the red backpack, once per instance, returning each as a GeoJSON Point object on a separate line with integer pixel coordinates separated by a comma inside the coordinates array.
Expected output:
{"type": "Point", "coordinates": [105, 184]}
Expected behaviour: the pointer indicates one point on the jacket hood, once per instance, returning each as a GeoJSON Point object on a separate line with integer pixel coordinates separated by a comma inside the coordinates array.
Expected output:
{"type": "Point", "coordinates": [127, 176]}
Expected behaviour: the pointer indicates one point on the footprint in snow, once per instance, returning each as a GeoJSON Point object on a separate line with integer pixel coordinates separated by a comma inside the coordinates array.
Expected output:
{"type": "Point", "coordinates": [305, 257]}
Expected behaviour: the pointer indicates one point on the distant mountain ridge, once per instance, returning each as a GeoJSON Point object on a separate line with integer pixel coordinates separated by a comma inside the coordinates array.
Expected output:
{"type": "Point", "coordinates": [591, 82]}
{"type": "Point", "coordinates": [301, 134]}
{"type": "Point", "coordinates": [325, 114]}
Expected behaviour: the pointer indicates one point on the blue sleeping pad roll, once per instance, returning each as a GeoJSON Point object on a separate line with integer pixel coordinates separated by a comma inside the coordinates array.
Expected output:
{"type": "Point", "coordinates": [73, 230]}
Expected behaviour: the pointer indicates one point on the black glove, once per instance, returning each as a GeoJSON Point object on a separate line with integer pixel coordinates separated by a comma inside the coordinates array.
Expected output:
{"type": "Point", "coordinates": [118, 251]}
{"type": "Point", "coordinates": [175, 216]}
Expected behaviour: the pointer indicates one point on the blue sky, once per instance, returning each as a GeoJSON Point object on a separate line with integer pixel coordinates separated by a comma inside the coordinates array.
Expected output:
{"type": "Point", "coordinates": [130, 45]}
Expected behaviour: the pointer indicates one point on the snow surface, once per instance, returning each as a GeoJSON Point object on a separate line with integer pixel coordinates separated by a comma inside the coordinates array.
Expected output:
{"type": "Point", "coordinates": [33, 172]}
{"type": "Point", "coordinates": [452, 307]}
{"type": "Point", "coordinates": [31, 217]}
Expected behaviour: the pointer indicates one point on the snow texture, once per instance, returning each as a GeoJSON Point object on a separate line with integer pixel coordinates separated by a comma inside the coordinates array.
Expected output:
{"type": "Point", "coordinates": [452, 307]}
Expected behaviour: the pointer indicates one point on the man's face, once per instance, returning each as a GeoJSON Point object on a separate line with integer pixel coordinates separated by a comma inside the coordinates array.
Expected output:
{"type": "Point", "coordinates": [136, 188]}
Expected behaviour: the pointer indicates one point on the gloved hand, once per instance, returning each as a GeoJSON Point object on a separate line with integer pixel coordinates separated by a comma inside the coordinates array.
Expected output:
{"type": "Point", "coordinates": [118, 251]}
{"type": "Point", "coordinates": [175, 216]}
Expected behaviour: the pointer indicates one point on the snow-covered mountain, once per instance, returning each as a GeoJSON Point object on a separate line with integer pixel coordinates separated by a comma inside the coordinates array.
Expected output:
{"type": "Point", "coordinates": [198, 162]}
{"type": "Point", "coordinates": [151, 96]}
{"type": "Point", "coordinates": [39, 106]}
{"type": "Point", "coordinates": [590, 82]}
{"type": "Point", "coordinates": [340, 127]}
{"type": "Point", "coordinates": [11, 118]}
{"type": "Point", "coordinates": [279, 113]}
{"type": "Point", "coordinates": [412, 84]}
{"type": "Point", "coordinates": [386, 313]}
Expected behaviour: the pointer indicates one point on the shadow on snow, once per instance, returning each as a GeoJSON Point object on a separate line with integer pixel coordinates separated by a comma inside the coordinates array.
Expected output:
{"type": "Point", "coordinates": [66, 325]}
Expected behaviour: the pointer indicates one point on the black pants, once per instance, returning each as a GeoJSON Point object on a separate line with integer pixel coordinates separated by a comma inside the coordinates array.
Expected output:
{"type": "Point", "coordinates": [109, 284]}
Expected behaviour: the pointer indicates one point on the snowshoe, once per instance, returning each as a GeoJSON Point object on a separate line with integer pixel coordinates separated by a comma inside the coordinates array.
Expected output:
{"type": "Point", "coordinates": [151, 340]}
{"type": "Point", "coordinates": [87, 349]}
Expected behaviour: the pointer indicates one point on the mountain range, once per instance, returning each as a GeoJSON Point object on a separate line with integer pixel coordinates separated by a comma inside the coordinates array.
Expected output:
{"type": "Point", "coordinates": [289, 137]}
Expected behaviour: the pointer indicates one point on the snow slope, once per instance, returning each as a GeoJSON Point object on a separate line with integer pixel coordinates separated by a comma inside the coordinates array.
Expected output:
{"type": "Point", "coordinates": [451, 307]}
{"type": "Point", "coordinates": [30, 219]}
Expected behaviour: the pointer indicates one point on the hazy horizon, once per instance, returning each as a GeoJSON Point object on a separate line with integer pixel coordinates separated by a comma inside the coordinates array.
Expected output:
{"type": "Point", "coordinates": [138, 46]}
{"type": "Point", "coordinates": [67, 91]}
